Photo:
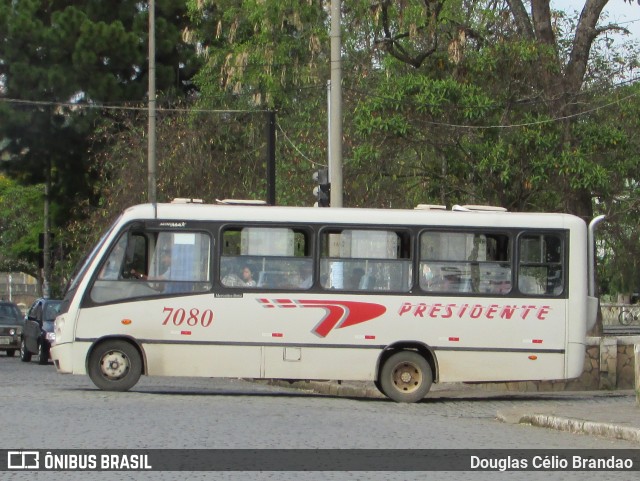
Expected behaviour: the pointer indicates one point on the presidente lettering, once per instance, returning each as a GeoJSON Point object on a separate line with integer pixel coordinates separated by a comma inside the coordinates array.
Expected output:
{"type": "Point", "coordinates": [474, 311]}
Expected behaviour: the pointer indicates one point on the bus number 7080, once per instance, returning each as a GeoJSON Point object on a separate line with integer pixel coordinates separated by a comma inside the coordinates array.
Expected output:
{"type": "Point", "coordinates": [178, 316]}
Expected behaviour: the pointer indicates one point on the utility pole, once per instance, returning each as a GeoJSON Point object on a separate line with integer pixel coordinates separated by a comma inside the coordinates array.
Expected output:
{"type": "Point", "coordinates": [151, 147]}
{"type": "Point", "coordinates": [335, 110]}
{"type": "Point", "coordinates": [46, 238]}
{"type": "Point", "coordinates": [271, 157]}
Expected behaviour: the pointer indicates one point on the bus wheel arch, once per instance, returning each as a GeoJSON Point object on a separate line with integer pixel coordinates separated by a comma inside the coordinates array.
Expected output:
{"type": "Point", "coordinates": [406, 372]}
{"type": "Point", "coordinates": [115, 363]}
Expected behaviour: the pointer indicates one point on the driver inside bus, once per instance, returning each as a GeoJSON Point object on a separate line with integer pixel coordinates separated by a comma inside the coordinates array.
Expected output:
{"type": "Point", "coordinates": [164, 266]}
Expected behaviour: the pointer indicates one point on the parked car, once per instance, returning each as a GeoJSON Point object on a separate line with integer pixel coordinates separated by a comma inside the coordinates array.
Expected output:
{"type": "Point", "coordinates": [38, 333]}
{"type": "Point", "coordinates": [11, 322]}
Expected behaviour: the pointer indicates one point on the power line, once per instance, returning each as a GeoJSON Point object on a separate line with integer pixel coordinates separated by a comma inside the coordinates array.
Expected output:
{"type": "Point", "coordinates": [286, 137]}
{"type": "Point", "coordinates": [367, 94]}
{"type": "Point", "coordinates": [125, 107]}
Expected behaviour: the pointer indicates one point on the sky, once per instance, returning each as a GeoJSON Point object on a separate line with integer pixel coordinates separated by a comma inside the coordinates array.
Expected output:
{"type": "Point", "coordinates": [624, 13]}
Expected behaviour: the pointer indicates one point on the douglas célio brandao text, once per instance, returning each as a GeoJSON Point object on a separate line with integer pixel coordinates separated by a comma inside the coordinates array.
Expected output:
{"type": "Point", "coordinates": [551, 463]}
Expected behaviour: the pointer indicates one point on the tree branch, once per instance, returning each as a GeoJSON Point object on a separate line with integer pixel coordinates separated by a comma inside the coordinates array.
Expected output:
{"type": "Point", "coordinates": [390, 42]}
{"type": "Point", "coordinates": [523, 23]}
{"type": "Point", "coordinates": [586, 33]}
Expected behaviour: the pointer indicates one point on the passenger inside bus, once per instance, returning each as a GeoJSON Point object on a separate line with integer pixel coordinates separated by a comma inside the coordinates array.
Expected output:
{"type": "Point", "coordinates": [306, 276]}
{"type": "Point", "coordinates": [243, 278]}
{"type": "Point", "coordinates": [356, 276]}
{"type": "Point", "coordinates": [247, 276]}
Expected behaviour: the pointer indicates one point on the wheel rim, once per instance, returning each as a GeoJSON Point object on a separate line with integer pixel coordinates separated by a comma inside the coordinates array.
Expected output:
{"type": "Point", "coordinates": [407, 377]}
{"type": "Point", "coordinates": [114, 365]}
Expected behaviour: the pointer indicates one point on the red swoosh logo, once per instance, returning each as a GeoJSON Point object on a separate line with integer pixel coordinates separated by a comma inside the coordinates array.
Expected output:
{"type": "Point", "coordinates": [341, 314]}
{"type": "Point", "coordinates": [338, 314]}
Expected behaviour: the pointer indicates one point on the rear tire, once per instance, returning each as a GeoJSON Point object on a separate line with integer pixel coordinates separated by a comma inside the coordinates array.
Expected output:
{"type": "Point", "coordinates": [115, 366]}
{"type": "Point", "coordinates": [378, 385]}
{"type": "Point", "coordinates": [406, 377]}
{"type": "Point", "coordinates": [25, 355]}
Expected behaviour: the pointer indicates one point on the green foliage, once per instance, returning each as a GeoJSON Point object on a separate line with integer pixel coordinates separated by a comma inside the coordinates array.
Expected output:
{"type": "Point", "coordinates": [58, 60]}
{"type": "Point", "coordinates": [444, 102]}
{"type": "Point", "coordinates": [21, 214]}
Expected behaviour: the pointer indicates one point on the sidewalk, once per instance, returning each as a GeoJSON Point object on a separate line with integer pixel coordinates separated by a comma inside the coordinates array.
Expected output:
{"type": "Point", "coordinates": [613, 414]}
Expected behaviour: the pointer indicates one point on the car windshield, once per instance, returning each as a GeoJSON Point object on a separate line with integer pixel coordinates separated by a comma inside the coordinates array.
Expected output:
{"type": "Point", "coordinates": [10, 315]}
{"type": "Point", "coordinates": [52, 310]}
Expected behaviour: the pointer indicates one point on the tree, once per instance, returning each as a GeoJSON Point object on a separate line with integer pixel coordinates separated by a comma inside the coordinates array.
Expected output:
{"type": "Point", "coordinates": [58, 62]}
{"type": "Point", "coordinates": [535, 80]}
{"type": "Point", "coordinates": [20, 223]}
{"type": "Point", "coordinates": [268, 55]}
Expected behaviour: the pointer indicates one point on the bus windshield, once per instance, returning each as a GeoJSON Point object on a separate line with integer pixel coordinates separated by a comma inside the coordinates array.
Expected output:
{"type": "Point", "coordinates": [83, 265]}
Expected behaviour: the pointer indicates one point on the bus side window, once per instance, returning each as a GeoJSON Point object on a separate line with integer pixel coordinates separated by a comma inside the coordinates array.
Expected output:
{"type": "Point", "coordinates": [465, 262]}
{"type": "Point", "coordinates": [277, 257]}
{"type": "Point", "coordinates": [365, 260]}
{"type": "Point", "coordinates": [540, 269]}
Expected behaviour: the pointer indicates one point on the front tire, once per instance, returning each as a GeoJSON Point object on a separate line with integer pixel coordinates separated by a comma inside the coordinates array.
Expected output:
{"type": "Point", "coordinates": [406, 377]}
{"type": "Point", "coordinates": [115, 366]}
{"type": "Point", "coordinates": [43, 354]}
{"type": "Point", "coordinates": [11, 352]}
{"type": "Point", "coordinates": [25, 355]}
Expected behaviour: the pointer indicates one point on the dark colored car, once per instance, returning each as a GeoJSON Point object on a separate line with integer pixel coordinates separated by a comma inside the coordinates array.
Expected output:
{"type": "Point", "coordinates": [11, 323]}
{"type": "Point", "coordinates": [38, 332]}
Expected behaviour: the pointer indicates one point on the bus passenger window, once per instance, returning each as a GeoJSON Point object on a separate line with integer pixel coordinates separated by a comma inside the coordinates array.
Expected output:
{"type": "Point", "coordinates": [465, 262]}
{"type": "Point", "coordinates": [276, 258]}
{"type": "Point", "coordinates": [365, 260]}
{"type": "Point", "coordinates": [541, 267]}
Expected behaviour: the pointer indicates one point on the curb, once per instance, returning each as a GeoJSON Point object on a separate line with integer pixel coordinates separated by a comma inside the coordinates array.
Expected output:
{"type": "Point", "coordinates": [368, 390]}
{"type": "Point", "coordinates": [575, 426]}
{"type": "Point", "coordinates": [331, 388]}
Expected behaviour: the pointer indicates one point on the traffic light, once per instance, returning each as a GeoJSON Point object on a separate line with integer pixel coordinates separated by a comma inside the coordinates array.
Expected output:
{"type": "Point", "coordinates": [322, 191]}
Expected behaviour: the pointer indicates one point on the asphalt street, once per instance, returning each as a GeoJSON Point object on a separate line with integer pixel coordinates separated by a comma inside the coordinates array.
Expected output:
{"type": "Point", "coordinates": [42, 409]}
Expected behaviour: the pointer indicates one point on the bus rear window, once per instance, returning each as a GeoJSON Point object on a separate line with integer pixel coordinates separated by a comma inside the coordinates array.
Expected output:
{"type": "Point", "coordinates": [540, 270]}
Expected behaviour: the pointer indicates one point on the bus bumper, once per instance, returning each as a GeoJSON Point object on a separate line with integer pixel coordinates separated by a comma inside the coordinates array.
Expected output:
{"type": "Point", "coordinates": [62, 355]}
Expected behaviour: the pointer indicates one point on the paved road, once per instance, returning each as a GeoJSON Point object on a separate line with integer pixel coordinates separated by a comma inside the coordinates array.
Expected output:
{"type": "Point", "coordinates": [45, 410]}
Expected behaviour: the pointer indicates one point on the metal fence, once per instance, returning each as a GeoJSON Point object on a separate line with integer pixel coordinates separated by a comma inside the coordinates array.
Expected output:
{"type": "Point", "coordinates": [621, 319]}
{"type": "Point", "coordinates": [620, 315]}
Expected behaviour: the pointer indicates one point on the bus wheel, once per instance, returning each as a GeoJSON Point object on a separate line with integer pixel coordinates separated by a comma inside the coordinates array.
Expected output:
{"type": "Point", "coordinates": [378, 385]}
{"type": "Point", "coordinates": [406, 377]}
{"type": "Point", "coordinates": [115, 366]}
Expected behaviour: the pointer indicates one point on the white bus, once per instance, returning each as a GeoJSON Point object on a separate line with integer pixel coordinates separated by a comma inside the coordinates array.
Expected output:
{"type": "Point", "coordinates": [403, 298]}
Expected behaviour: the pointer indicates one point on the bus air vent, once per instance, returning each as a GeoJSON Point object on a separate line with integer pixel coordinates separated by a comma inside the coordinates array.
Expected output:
{"type": "Point", "coordinates": [183, 200]}
{"type": "Point", "coordinates": [240, 202]}
{"type": "Point", "coordinates": [430, 207]}
{"type": "Point", "coordinates": [478, 208]}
